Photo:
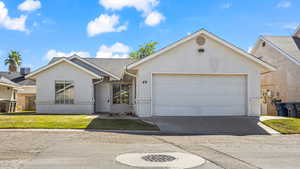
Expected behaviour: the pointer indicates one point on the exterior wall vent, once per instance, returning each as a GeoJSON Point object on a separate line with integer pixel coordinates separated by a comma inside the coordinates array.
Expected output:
{"type": "Point", "coordinates": [200, 40]}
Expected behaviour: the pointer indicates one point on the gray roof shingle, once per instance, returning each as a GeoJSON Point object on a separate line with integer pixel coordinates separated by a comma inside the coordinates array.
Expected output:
{"type": "Point", "coordinates": [114, 66]}
{"type": "Point", "coordinates": [6, 81]}
{"type": "Point", "coordinates": [289, 44]}
{"type": "Point", "coordinates": [18, 78]}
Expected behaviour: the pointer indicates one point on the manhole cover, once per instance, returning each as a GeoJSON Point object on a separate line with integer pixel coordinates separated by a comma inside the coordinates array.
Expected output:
{"type": "Point", "coordinates": [161, 160]}
{"type": "Point", "coordinates": [158, 158]}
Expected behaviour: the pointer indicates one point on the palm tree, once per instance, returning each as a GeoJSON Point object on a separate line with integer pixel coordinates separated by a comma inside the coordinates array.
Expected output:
{"type": "Point", "coordinates": [14, 60]}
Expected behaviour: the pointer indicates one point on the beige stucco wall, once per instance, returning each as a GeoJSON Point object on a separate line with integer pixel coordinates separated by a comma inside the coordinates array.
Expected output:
{"type": "Point", "coordinates": [21, 103]}
{"type": "Point", "coordinates": [6, 93]}
{"type": "Point", "coordinates": [21, 94]}
{"type": "Point", "coordinates": [286, 79]}
{"type": "Point", "coordinates": [27, 90]}
{"type": "Point", "coordinates": [285, 82]}
{"type": "Point", "coordinates": [185, 58]}
{"type": "Point", "coordinates": [84, 90]}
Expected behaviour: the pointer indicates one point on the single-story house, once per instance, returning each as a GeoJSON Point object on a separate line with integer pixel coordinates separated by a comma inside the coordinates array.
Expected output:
{"type": "Point", "coordinates": [8, 90]}
{"type": "Point", "coordinates": [283, 84]}
{"type": "Point", "coordinates": [199, 75]}
{"type": "Point", "coordinates": [17, 93]}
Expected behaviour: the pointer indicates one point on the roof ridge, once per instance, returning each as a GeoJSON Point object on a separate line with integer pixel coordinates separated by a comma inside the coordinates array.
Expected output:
{"type": "Point", "coordinates": [276, 36]}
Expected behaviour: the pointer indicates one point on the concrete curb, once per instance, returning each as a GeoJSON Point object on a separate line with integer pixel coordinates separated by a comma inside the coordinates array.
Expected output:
{"type": "Point", "coordinates": [83, 130]}
{"type": "Point", "coordinates": [268, 129]}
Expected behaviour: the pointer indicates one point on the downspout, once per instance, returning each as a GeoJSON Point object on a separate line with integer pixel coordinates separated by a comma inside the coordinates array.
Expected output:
{"type": "Point", "coordinates": [133, 75]}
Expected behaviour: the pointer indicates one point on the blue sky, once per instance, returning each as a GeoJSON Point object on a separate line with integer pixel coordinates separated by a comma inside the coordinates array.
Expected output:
{"type": "Point", "coordinates": [41, 29]}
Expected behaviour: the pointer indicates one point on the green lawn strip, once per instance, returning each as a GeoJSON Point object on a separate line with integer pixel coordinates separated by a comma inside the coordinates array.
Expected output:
{"type": "Point", "coordinates": [18, 113]}
{"type": "Point", "coordinates": [284, 126]}
{"type": "Point", "coordinates": [71, 122]}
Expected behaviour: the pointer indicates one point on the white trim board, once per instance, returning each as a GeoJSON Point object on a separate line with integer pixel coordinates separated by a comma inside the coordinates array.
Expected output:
{"type": "Point", "coordinates": [57, 62]}
{"type": "Point", "coordinates": [9, 85]}
{"type": "Point", "coordinates": [210, 35]}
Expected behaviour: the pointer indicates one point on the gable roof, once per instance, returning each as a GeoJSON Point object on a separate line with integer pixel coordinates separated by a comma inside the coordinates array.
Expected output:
{"type": "Point", "coordinates": [210, 35]}
{"type": "Point", "coordinates": [60, 61]}
{"type": "Point", "coordinates": [110, 66]}
{"type": "Point", "coordinates": [18, 78]}
{"type": "Point", "coordinates": [6, 82]}
{"type": "Point", "coordinates": [288, 46]}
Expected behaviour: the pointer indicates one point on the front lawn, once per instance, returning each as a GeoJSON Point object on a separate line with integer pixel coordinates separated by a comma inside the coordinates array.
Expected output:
{"type": "Point", "coordinates": [71, 122]}
{"type": "Point", "coordinates": [284, 126]}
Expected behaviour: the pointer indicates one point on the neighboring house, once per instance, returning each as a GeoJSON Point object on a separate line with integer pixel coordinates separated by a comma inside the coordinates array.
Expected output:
{"type": "Point", "coordinates": [8, 90]}
{"type": "Point", "coordinates": [284, 53]}
{"type": "Point", "coordinates": [200, 75]}
{"type": "Point", "coordinates": [24, 91]}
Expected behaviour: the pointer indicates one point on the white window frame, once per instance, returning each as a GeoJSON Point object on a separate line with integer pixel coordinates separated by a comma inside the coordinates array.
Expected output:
{"type": "Point", "coordinates": [121, 101]}
{"type": "Point", "coordinates": [71, 101]}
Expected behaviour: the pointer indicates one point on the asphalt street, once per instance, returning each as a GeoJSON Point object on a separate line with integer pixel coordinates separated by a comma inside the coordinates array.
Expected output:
{"type": "Point", "coordinates": [98, 150]}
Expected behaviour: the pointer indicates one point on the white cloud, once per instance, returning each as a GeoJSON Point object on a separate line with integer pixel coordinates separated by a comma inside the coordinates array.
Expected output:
{"type": "Point", "coordinates": [145, 6]}
{"type": "Point", "coordinates": [226, 6]}
{"type": "Point", "coordinates": [284, 4]}
{"type": "Point", "coordinates": [117, 50]}
{"type": "Point", "coordinates": [35, 24]}
{"type": "Point", "coordinates": [250, 48]}
{"type": "Point", "coordinates": [11, 23]}
{"type": "Point", "coordinates": [292, 26]}
{"type": "Point", "coordinates": [154, 18]}
{"type": "Point", "coordinates": [105, 23]}
{"type": "Point", "coordinates": [53, 53]}
{"type": "Point", "coordinates": [30, 5]}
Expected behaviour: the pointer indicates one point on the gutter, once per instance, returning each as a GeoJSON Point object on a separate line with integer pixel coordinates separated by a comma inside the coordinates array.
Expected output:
{"type": "Point", "coordinates": [130, 74]}
{"type": "Point", "coordinates": [101, 80]}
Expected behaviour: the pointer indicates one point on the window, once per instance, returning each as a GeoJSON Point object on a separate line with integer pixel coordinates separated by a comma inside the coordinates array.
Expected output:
{"type": "Point", "coordinates": [14, 95]}
{"type": "Point", "coordinates": [64, 92]}
{"type": "Point", "coordinates": [121, 93]}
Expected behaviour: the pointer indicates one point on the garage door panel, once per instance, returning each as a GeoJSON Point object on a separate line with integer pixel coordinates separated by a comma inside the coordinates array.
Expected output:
{"type": "Point", "coordinates": [197, 111]}
{"type": "Point", "coordinates": [199, 100]}
{"type": "Point", "coordinates": [198, 95]}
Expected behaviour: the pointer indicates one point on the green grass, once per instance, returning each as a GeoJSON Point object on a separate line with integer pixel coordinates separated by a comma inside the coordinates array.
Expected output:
{"type": "Point", "coordinates": [284, 126]}
{"type": "Point", "coordinates": [71, 122]}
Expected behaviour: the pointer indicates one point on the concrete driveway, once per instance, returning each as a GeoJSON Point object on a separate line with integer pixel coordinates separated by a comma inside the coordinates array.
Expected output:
{"type": "Point", "coordinates": [209, 125]}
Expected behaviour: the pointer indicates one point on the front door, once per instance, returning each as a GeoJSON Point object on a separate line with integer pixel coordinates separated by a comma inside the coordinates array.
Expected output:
{"type": "Point", "coordinates": [29, 103]}
{"type": "Point", "coordinates": [102, 98]}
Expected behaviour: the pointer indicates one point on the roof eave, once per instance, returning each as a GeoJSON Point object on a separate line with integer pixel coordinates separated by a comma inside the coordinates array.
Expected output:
{"type": "Point", "coordinates": [33, 74]}
{"type": "Point", "coordinates": [203, 31]}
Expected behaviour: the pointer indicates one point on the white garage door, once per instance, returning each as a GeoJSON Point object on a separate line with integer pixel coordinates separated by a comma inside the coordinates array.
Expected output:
{"type": "Point", "coordinates": [197, 95]}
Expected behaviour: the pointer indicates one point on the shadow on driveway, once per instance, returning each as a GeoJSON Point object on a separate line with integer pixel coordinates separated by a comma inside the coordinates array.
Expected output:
{"type": "Point", "coordinates": [237, 125]}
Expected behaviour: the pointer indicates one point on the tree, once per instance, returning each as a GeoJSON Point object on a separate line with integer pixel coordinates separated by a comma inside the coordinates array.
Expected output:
{"type": "Point", "coordinates": [13, 61]}
{"type": "Point", "coordinates": [144, 51]}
